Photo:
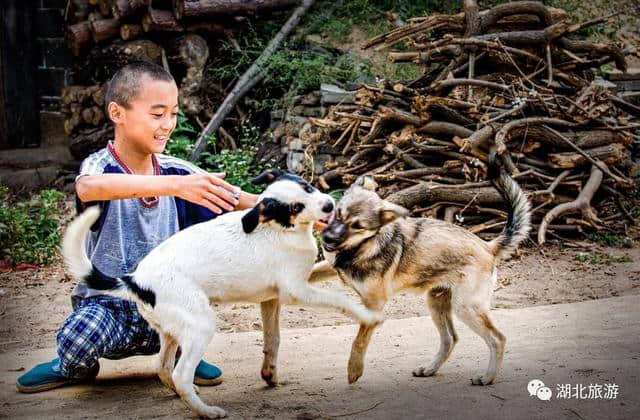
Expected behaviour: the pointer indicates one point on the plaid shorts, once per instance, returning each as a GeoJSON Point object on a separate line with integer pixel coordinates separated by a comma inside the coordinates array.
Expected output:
{"type": "Point", "coordinates": [102, 326]}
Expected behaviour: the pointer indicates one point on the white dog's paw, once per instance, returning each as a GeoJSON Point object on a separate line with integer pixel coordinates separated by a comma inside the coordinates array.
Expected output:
{"type": "Point", "coordinates": [424, 371]}
{"type": "Point", "coordinates": [481, 380]}
{"type": "Point", "coordinates": [213, 412]}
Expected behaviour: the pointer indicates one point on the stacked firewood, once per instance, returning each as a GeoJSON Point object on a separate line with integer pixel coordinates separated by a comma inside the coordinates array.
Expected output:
{"type": "Point", "coordinates": [513, 80]}
{"type": "Point", "coordinates": [97, 21]}
{"type": "Point", "coordinates": [105, 35]}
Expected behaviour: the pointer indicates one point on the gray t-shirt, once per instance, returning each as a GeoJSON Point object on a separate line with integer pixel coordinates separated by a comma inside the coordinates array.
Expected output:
{"type": "Point", "coordinates": [129, 229]}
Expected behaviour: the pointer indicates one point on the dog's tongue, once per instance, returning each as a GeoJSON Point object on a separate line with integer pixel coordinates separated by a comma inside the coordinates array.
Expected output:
{"type": "Point", "coordinates": [331, 217]}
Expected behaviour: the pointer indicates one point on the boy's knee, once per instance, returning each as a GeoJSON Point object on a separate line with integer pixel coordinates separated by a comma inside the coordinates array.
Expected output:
{"type": "Point", "coordinates": [85, 336]}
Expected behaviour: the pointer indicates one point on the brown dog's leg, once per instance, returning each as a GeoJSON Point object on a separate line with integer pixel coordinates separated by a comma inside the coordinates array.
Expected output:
{"type": "Point", "coordinates": [271, 330]}
{"type": "Point", "coordinates": [358, 351]}
{"type": "Point", "coordinates": [479, 321]}
{"type": "Point", "coordinates": [361, 342]}
{"type": "Point", "coordinates": [439, 301]}
{"type": "Point", "coordinates": [167, 359]}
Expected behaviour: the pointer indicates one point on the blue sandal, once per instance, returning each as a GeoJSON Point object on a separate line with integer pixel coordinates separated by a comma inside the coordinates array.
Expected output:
{"type": "Point", "coordinates": [207, 374]}
{"type": "Point", "coordinates": [46, 376]}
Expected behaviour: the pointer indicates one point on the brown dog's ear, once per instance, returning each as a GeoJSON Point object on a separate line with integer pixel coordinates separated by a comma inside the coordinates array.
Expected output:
{"type": "Point", "coordinates": [367, 182]}
{"type": "Point", "coordinates": [270, 209]}
{"type": "Point", "coordinates": [268, 176]}
{"type": "Point", "coordinates": [390, 212]}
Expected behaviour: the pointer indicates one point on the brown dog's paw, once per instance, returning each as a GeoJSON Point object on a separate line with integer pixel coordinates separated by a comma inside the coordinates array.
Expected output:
{"type": "Point", "coordinates": [355, 369]}
{"type": "Point", "coordinates": [424, 372]}
{"type": "Point", "coordinates": [481, 380]}
{"type": "Point", "coordinates": [270, 376]}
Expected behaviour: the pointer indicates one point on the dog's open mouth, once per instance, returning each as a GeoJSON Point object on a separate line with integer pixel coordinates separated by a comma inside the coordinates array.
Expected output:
{"type": "Point", "coordinates": [328, 247]}
{"type": "Point", "coordinates": [329, 218]}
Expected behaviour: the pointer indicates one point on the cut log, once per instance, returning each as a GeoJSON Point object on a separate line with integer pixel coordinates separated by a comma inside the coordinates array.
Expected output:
{"type": "Point", "coordinates": [124, 8]}
{"type": "Point", "coordinates": [609, 154]}
{"type": "Point", "coordinates": [102, 63]}
{"type": "Point", "coordinates": [77, 11]}
{"type": "Point", "coordinates": [130, 31]}
{"type": "Point", "coordinates": [78, 94]}
{"type": "Point", "coordinates": [88, 141]}
{"type": "Point", "coordinates": [93, 116]}
{"type": "Point", "coordinates": [160, 21]}
{"type": "Point", "coordinates": [187, 56]}
{"type": "Point", "coordinates": [104, 7]}
{"type": "Point", "coordinates": [104, 29]}
{"type": "Point", "coordinates": [98, 95]}
{"type": "Point", "coordinates": [184, 9]}
{"type": "Point", "coordinates": [78, 37]}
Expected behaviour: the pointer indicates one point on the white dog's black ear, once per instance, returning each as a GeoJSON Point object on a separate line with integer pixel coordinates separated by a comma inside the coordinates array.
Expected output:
{"type": "Point", "coordinates": [268, 176]}
{"type": "Point", "coordinates": [390, 212]}
{"type": "Point", "coordinates": [271, 209]}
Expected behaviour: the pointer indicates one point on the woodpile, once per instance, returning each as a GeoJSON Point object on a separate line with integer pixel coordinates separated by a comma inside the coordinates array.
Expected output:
{"type": "Point", "coordinates": [105, 35]}
{"type": "Point", "coordinates": [514, 79]}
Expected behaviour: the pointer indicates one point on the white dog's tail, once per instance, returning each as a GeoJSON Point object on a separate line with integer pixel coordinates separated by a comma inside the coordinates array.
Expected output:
{"type": "Point", "coordinates": [81, 269]}
{"type": "Point", "coordinates": [519, 214]}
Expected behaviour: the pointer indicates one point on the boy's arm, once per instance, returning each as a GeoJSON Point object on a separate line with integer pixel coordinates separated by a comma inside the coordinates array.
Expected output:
{"type": "Point", "coordinates": [205, 189]}
{"type": "Point", "coordinates": [247, 200]}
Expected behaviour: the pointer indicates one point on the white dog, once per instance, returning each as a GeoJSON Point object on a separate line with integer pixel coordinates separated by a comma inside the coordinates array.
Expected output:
{"type": "Point", "coordinates": [262, 255]}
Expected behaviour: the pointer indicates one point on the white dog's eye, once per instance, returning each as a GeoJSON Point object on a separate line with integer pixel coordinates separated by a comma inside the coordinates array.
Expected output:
{"type": "Point", "coordinates": [297, 208]}
{"type": "Point", "coordinates": [308, 189]}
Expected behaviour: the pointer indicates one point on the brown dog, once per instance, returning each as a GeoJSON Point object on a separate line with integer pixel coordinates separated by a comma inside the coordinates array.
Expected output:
{"type": "Point", "coordinates": [378, 251]}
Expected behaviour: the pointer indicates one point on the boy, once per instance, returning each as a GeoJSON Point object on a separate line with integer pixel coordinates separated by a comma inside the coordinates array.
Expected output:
{"type": "Point", "coordinates": [144, 197]}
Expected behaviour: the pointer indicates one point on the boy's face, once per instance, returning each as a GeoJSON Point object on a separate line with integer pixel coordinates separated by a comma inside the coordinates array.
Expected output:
{"type": "Point", "coordinates": [150, 118]}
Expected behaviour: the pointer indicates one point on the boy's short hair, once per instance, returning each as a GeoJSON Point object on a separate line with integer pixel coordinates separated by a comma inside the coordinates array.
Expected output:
{"type": "Point", "coordinates": [125, 85]}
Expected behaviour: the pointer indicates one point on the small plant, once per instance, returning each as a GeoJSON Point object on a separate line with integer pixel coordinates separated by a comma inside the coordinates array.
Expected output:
{"type": "Point", "coordinates": [29, 228]}
{"type": "Point", "coordinates": [602, 259]}
{"type": "Point", "coordinates": [183, 138]}
{"type": "Point", "coordinates": [611, 239]}
{"type": "Point", "coordinates": [238, 165]}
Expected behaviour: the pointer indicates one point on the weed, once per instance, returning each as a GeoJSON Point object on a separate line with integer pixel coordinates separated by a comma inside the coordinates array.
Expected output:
{"type": "Point", "coordinates": [238, 165]}
{"type": "Point", "coordinates": [611, 239]}
{"type": "Point", "coordinates": [29, 228]}
{"type": "Point", "coordinates": [602, 259]}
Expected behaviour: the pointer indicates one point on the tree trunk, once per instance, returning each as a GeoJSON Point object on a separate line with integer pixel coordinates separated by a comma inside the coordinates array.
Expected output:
{"type": "Point", "coordinates": [201, 8]}
{"type": "Point", "coordinates": [248, 79]}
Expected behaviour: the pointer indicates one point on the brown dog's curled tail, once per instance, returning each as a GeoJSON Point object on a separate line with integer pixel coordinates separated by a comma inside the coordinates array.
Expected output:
{"type": "Point", "coordinates": [519, 213]}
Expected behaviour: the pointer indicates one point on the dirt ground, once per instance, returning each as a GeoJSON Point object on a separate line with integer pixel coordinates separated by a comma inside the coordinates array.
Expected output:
{"type": "Point", "coordinates": [34, 303]}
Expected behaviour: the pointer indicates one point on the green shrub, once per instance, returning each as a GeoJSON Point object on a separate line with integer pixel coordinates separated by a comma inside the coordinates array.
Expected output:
{"type": "Point", "coordinates": [237, 164]}
{"type": "Point", "coordinates": [29, 228]}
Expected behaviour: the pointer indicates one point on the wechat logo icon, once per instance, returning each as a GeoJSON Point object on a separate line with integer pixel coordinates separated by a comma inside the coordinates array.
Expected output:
{"type": "Point", "coordinates": [537, 388]}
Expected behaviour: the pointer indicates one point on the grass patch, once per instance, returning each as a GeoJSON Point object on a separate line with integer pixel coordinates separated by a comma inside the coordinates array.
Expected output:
{"type": "Point", "coordinates": [29, 228]}
{"type": "Point", "coordinates": [602, 259]}
{"type": "Point", "coordinates": [611, 239]}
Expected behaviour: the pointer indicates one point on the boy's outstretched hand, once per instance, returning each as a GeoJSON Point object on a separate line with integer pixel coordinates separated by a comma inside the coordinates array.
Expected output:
{"type": "Point", "coordinates": [209, 190]}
